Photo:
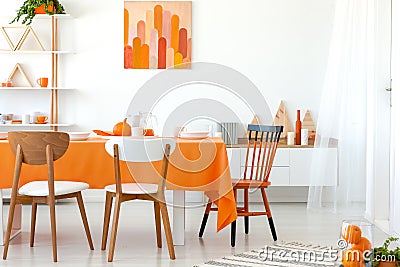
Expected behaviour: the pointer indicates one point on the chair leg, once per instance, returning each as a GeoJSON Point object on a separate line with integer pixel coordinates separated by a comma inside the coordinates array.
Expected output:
{"type": "Point", "coordinates": [167, 230]}
{"type": "Point", "coordinates": [106, 223]}
{"type": "Point", "coordinates": [205, 218]}
{"type": "Point", "coordinates": [52, 206]}
{"type": "Point", "coordinates": [84, 219]}
{"type": "Point", "coordinates": [9, 227]}
{"type": "Point", "coordinates": [233, 233]}
{"type": "Point", "coordinates": [114, 229]}
{"type": "Point", "coordinates": [233, 224]}
{"type": "Point", "coordinates": [157, 218]}
{"type": "Point", "coordinates": [246, 209]}
{"type": "Point", "coordinates": [269, 214]}
{"type": "Point", "coordinates": [33, 223]}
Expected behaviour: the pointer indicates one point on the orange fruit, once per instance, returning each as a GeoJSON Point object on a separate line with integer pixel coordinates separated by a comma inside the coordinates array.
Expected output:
{"type": "Point", "coordinates": [363, 245]}
{"type": "Point", "coordinates": [352, 258]}
{"type": "Point", "coordinates": [352, 234]}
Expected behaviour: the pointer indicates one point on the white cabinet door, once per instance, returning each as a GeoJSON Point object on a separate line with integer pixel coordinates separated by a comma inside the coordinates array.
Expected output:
{"type": "Point", "coordinates": [300, 166]}
{"type": "Point", "coordinates": [279, 176]}
{"type": "Point", "coordinates": [234, 161]}
{"type": "Point", "coordinates": [281, 157]}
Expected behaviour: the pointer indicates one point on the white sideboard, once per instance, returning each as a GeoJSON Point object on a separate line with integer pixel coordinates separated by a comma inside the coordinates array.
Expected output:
{"type": "Point", "coordinates": [290, 172]}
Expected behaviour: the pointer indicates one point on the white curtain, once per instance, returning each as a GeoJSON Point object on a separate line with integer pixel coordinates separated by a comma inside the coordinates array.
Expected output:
{"type": "Point", "coordinates": [343, 111]}
{"type": "Point", "coordinates": [395, 153]}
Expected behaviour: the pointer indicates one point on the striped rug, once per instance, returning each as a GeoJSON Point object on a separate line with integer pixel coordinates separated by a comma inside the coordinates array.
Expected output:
{"type": "Point", "coordinates": [281, 254]}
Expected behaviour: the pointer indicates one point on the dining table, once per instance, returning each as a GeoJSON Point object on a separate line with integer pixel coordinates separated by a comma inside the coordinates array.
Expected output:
{"type": "Point", "coordinates": [195, 165]}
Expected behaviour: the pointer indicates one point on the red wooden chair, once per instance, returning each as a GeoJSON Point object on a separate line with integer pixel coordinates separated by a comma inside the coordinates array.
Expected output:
{"type": "Point", "coordinates": [261, 148]}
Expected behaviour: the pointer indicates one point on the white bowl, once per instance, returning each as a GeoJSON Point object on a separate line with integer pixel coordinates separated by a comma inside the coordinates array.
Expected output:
{"type": "Point", "coordinates": [3, 135]}
{"type": "Point", "coordinates": [78, 136]}
{"type": "Point", "coordinates": [194, 135]}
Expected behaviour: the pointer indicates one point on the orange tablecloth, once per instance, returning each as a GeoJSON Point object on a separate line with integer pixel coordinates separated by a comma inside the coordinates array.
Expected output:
{"type": "Point", "coordinates": [195, 165]}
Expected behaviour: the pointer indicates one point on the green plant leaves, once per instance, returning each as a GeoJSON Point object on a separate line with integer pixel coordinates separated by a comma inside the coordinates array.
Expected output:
{"type": "Point", "coordinates": [384, 252]}
{"type": "Point", "coordinates": [28, 10]}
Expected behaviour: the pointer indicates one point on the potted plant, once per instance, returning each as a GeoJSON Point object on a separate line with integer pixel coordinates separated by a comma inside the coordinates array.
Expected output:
{"type": "Point", "coordinates": [31, 7]}
{"type": "Point", "coordinates": [385, 257]}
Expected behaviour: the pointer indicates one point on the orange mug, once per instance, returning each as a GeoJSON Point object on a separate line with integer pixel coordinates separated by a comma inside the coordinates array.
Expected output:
{"type": "Point", "coordinates": [41, 118]}
{"type": "Point", "coordinates": [148, 132]}
{"type": "Point", "coordinates": [43, 81]}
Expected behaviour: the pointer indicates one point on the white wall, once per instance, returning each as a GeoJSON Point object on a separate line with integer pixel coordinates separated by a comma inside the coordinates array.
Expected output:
{"type": "Point", "coordinates": [287, 43]}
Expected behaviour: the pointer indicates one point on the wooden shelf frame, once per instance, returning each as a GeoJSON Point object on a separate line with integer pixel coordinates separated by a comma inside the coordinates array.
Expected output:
{"type": "Point", "coordinates": [37, 125]}
{"type": "Point", "coordinates": [25, 52]}
{"type": "Point", "coordinates": [34, 88]}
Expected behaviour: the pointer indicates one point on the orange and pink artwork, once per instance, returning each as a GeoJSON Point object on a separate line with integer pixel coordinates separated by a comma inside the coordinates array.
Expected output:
{"type": "Point", "coordinates": [157, 35]}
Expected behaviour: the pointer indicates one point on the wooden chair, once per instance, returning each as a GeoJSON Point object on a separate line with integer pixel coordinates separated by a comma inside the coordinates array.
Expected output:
{"type": "Point", "coordinates": [39, 148]}
{"type": "Point", "coordinates": [261, 148]}
{"type": "Point", "coordinates": [138, 150]}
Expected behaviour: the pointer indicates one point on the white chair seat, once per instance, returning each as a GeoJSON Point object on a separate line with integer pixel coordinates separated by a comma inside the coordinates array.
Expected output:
{"type": "Point", "coordinates": [134, 188]}
{"type": "Point", "coordinates": [40, 188]}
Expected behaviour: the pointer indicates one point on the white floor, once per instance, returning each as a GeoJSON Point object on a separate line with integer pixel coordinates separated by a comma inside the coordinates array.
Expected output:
{"type": "Point", "coordinates": [136, 242]}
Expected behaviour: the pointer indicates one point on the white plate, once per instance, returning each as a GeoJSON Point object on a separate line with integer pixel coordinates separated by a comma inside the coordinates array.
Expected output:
{"type": "Point", "coordinates": [115, 137]}
{"type": "Point", "coordinates": [133, 137]}
{"type": "Point", "coordinates": [78, 136]}
{"type": "Point", "coordinates": [3, 135]}
{"type": "Point", "coordinates": [194, 135]}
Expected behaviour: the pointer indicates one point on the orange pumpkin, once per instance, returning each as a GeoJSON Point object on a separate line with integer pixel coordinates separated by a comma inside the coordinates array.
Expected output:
{"type": "Point", "coordinates": [122, 128]}
{"type": "Point", "coordinates": [363, 245]}
{"type": "Point", "coordinates": [352, 258]}
{"type": "Point", "coordinates": [352, 234]}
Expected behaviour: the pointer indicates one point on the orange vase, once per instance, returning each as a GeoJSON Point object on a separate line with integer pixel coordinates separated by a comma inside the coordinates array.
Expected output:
{"type": "Point", "coordinates": [41, 9]}
{"type": "Point", "coordinates": [387, 264]}
{"type": "Point", "coordinates": [298, 128]}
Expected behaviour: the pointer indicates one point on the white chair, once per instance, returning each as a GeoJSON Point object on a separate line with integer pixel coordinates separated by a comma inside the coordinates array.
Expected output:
{"type": "Point", "coordinates": [138, 150]}
{"type": "Point", "coordinates": [39, 148]}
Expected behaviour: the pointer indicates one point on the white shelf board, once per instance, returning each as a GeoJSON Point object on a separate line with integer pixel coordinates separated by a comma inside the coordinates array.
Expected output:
{"type": "Point", "coordinates": [33, 52]}
{"type": "Point", "coordinates": [58, 16]}
{"type": "Point", "coordinates": [37, 125]}
{"type": "Point", "coordinates": [38, 16]}
{"type": "Point", "coordinates": [35, 88]}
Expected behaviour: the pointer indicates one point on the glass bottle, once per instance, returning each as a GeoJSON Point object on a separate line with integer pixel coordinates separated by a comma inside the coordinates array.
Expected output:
{"type": "Point", "coordinates": [298, 128]}
{"type": "Point", "coordinates": [148, 122]}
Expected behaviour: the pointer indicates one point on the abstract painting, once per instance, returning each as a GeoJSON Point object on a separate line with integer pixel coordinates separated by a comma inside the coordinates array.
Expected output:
{"type": "Point", "coordinates": [157, 35]}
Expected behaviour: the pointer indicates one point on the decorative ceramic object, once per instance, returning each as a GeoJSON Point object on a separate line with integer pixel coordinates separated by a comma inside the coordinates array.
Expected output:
{"type": "Point", "coordinates": [304, 137]}
{"type": "Point", "coordinates": [282, 119]}
{"type": "Point", "coordinates": [308, 123]}
{"type": "Point", "coordinates": [290, 138]}
{"type": "Point", "coordinates": [19, 69]}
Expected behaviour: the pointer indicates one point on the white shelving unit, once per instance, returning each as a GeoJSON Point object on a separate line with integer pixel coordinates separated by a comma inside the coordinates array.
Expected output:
{"type": "Point", "coordinates": [54, 85]}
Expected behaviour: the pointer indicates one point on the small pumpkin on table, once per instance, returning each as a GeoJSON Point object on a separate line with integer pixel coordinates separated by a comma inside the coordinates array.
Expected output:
{"type": "Point", "coordinates": [122, 129]}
